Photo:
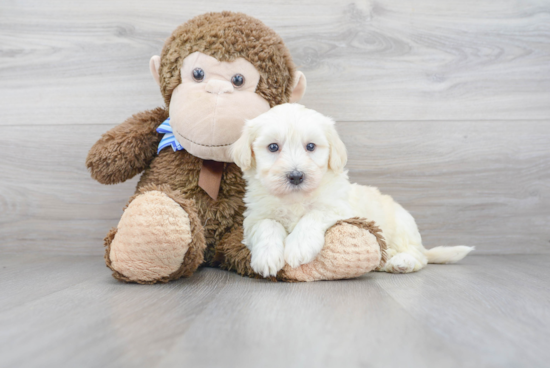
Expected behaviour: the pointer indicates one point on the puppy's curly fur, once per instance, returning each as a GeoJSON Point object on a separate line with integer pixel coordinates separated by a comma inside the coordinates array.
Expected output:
{"type": "Point", "coordinates": [297, 188]}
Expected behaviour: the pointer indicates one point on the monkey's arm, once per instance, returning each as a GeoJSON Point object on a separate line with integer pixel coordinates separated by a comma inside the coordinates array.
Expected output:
{"type": "Point", "coordinates": [127, 149]}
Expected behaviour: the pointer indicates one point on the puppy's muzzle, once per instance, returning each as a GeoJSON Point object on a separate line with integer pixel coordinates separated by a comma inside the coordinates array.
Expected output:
{"type": "Point", "coordinates": [295, 177]}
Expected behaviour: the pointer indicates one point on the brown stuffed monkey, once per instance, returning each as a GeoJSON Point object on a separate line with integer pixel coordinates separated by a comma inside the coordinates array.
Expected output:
{"type": "Point", "coordinates": [215, 71]}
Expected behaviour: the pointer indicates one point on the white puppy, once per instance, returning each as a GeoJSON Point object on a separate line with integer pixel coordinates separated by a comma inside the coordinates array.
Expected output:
{"type": "Point", "coordinates": [293, 161]}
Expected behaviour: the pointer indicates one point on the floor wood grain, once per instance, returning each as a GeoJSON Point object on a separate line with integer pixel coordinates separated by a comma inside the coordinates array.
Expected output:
{"type": "Point", "coordinates": [487, 311]}
{"type": "Point", "coordinates": [476, 308]}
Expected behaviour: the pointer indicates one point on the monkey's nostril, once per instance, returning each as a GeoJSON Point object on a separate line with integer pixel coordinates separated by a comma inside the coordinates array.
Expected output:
{"type": "Point", "coordinates": [295, 177]}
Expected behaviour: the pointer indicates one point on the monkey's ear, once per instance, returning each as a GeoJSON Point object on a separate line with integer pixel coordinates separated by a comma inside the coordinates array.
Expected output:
{"type": "Point", "coordinates": [241, 150]}
{"type": "Point", "coordinates": [154, 66]}
{"type": "Point", "coordinates": [299, 87]}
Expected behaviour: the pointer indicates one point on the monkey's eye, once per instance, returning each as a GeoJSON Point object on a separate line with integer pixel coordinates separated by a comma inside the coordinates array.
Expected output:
{"type": "Point", "coordinates": [310, 146]}
{"type": "Point", "coordinates": [273, 147]}
{"type": "Point", "coordinates": [198, 74]}
{"type": "Point", "coordinates": [237, 80]}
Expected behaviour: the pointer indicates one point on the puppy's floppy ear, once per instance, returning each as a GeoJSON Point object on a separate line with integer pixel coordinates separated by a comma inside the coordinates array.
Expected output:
{"type": "Point", "coordinates": [241, 150]}
{"type": "Point", "coordinates": [338, 156]}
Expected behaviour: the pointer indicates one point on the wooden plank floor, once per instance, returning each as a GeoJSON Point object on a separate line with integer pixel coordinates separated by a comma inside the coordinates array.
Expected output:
{"type": "Point", "coordinates": [67, 311]}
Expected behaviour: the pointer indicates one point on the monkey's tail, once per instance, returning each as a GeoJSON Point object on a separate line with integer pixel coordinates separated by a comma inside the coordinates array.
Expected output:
{"type": "Point", "coordinates": [448, 254]}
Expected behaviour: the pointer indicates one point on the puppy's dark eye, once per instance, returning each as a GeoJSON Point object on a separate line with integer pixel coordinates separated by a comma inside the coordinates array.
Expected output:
{"type": "Point", "coordinates": [198, 74]}
{"type": "Point", "coordinates": [273, 147]}
{"type": "Point", "coordinates": [237, 80]}
{"type": "Point", "coordinates": [310, 146]}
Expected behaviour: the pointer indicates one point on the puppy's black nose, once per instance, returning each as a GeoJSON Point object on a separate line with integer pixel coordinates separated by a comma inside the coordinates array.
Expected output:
{"type": "Point", "coordinates": [295, 177]}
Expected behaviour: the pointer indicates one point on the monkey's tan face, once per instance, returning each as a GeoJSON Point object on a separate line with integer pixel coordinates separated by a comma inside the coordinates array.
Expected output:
{"type": "Point", "coordinates": [209, 108]}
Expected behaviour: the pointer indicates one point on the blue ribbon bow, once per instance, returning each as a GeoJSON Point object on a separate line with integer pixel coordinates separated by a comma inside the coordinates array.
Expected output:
{"type": "Point", "coordinates": [169, 139]}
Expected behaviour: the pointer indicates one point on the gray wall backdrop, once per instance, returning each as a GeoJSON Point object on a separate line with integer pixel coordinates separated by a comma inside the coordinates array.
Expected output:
{"type": "Point", "coordinates": [445, 105]}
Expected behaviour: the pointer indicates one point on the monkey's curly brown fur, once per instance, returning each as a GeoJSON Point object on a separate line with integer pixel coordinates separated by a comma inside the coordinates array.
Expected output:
{"type": "Point", "coordinates": [177, 175]}
{"type": "Point", "coordinates": [180, 170]}
{"type": "Point", "coordinates": [131, 147]}
{"type": "Point", "coordinates": [127, 149]}
{"type": "Point", "coordinates": [227, 36]}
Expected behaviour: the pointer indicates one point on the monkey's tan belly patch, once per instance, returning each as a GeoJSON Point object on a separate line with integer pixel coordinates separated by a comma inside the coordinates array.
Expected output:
{"type": "Point", "coordinates": [152, 238]}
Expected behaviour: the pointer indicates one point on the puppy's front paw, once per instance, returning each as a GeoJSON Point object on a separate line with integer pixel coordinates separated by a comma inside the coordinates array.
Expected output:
{"type": "Point", "coordinates": [302, 247]}
{"type": "Point", "coordinates": [267, 259]}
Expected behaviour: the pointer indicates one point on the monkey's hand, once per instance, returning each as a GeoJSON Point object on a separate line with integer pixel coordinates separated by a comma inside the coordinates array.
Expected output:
{"type": "Point", "coordinates": [127, 149]}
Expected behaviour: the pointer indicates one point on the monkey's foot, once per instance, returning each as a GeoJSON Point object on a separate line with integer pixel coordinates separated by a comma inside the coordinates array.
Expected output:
{"type": "Point", "coordinates": [352, 248]}
{"type": "Point", "coordinates": [159, 238]}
